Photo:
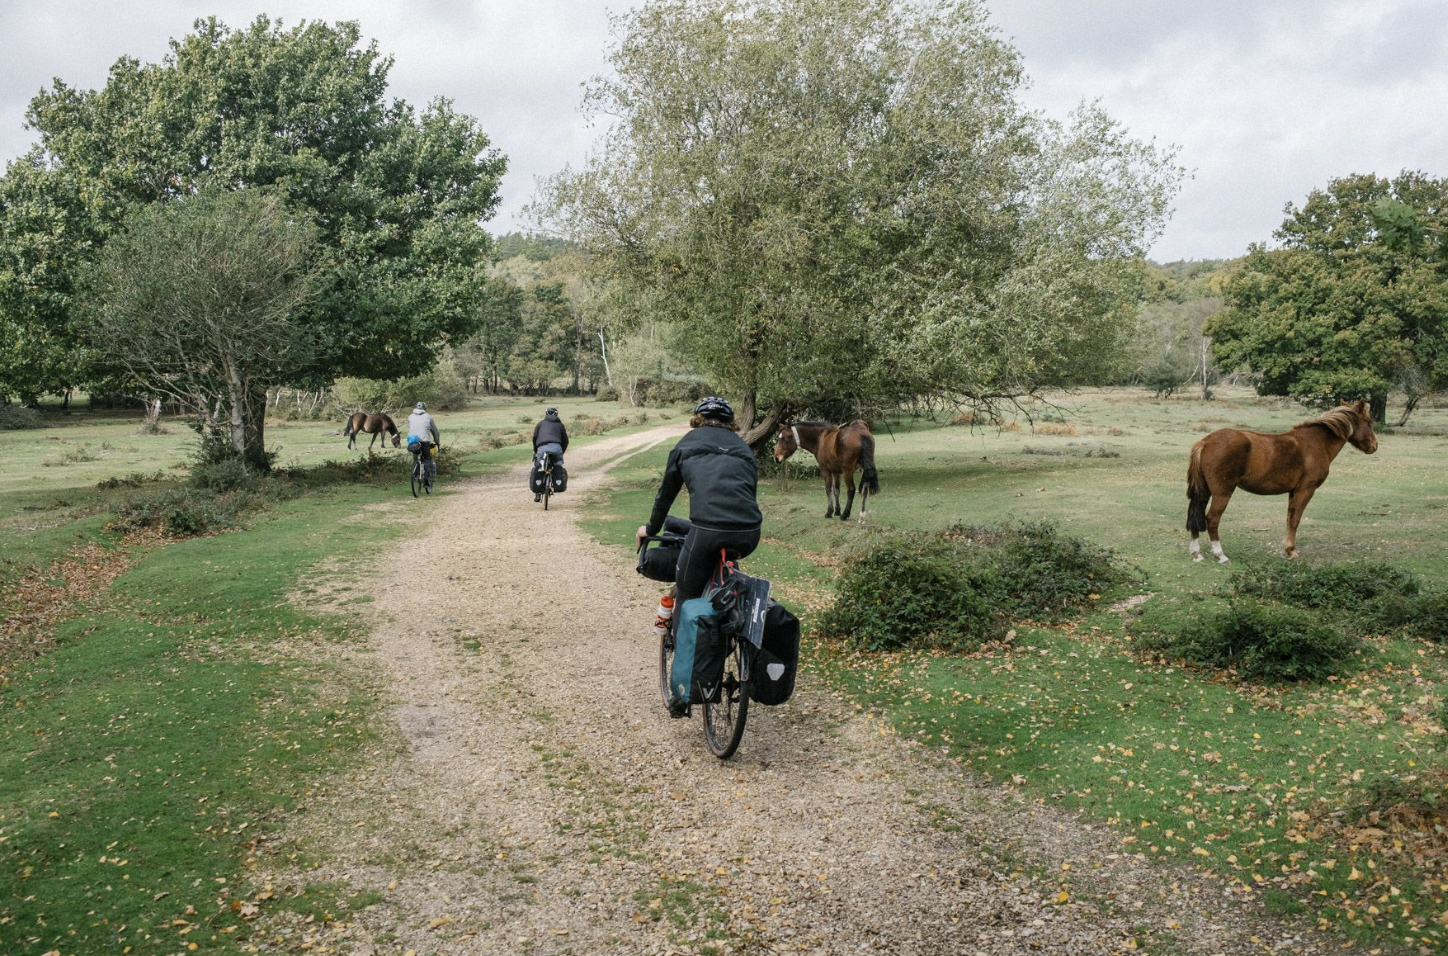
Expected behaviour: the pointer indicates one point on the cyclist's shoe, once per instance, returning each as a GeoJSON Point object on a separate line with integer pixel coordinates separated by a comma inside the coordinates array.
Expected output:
{"type": "Point", "coordinates": [677, 709]}
{"type": "Point", "coordinates": [537, 497]}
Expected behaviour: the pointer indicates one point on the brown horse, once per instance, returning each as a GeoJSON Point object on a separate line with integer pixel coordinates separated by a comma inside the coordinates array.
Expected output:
{"type": "Point", "coordinates": [839, 452]}
{"type": "Point", "coordinates": [375, 424]}
{"type": "Point", "coordinates": [1293, 463]}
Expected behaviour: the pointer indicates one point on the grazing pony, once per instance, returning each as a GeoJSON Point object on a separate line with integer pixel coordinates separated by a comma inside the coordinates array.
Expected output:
{"type": "Point", "coordinates": [839, 452]}
{"type": "Point", "coordinates": [375, 424]}
{"type": "Point", "coordinates": [1293, 463]}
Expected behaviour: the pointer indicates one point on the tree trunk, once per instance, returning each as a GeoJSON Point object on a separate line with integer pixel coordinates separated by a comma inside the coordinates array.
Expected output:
{"type": "Point", "coordinates": [1379, 406]}
{"type": "Point", "coordinates": [756, 434]}
{"type": "Point", "coordinates": [1408, 407]}
{"type": "Point", "coordinates": [253, 417]}
{"type": "Point", "coordinates": [603, 350]}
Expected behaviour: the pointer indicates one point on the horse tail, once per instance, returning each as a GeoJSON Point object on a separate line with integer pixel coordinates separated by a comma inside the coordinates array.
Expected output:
{"type": "Point", "coordinates": [347, 431]}
{"type": "Point", "coordinates": [1198, 494]}
{"type": "Point", "coordinates": [869, 478]}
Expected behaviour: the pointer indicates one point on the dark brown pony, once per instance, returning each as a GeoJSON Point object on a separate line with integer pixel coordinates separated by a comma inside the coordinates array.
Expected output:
{"type": "Point", "coordinates": [374, 424]}
{"type": "Point", "coordinates": [839, 452]}
{"type": "Point", "coordinates": [1293, 463]}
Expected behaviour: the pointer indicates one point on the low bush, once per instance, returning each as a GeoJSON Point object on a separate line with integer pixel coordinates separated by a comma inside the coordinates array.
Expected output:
{"type": "Point", "coordinates": [186, 511]}
{"type": "Point", "coordinates": [606, 394]}
{"type": "Point", "coordinates": [1367, 597]}
{"type": "Point", "coordinates": [134, 480]}
{"type": "Point", "coordinates": [223, 474]}
{"type": "Point", "coordinates": [1264, 642]}
{"type": "Point", "coordinates": [17, 417]}
{"type": "Point", "coordinates": [963, 586]}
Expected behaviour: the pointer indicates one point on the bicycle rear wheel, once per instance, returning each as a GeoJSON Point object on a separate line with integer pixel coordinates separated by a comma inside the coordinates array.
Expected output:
{"type": "Point", "coordinates": [724, 721]}
{"type": "Point", "coordinates": [547, 487]}
{"type": "Point", "coordinates": [416, 475]}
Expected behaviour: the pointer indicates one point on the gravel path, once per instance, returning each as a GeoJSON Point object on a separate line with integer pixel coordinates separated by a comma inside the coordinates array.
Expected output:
{"type": "Point", "coordinates": [532, 796]}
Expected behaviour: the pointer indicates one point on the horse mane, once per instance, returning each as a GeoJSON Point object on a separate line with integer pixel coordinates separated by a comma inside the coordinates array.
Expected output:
{"type": "Point", "coordinates": [815, 423]}
{"type": "Point", "coordinates": [1341, 421]}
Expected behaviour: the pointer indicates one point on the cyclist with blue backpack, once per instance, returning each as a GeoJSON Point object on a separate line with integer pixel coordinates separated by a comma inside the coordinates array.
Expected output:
{"type": "Point", "coordinates": [422, 433]}
{"type": "Point", "coordinates": [722, 476]}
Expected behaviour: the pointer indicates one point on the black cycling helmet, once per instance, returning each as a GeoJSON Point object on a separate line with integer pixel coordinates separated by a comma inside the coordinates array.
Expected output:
{"type": "Point", "coordinates": [420, 407]}
{"type": "Point", "coordinates": [714, 407]}
{"type": "Point", "coordinates": [551, 411]}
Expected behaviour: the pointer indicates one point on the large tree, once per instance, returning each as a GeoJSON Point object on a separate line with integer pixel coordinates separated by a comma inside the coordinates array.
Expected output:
{"type": "Point", "coordinates": [398, 196]}
{"type": "Point", "coordinates": [845, 200]}
{"type": "Point", "coordinates": [202, 300]}
{"type": "Point", "coordinates": [1354, 300]}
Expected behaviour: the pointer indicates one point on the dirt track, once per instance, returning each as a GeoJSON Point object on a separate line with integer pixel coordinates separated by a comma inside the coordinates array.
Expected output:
{"type": "Point", "coordinates": [536, 799]}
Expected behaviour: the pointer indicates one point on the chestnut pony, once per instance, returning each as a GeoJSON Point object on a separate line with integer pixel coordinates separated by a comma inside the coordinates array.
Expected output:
{"type": "Point", "coordinates": [1293, 463]}
{"type": "Point", "coordinates": [839, 452]}
{"type": "Point", "coordinates": [375, 425]}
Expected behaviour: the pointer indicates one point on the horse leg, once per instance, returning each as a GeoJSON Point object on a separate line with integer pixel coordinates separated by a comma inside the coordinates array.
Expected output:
{"type": "Point", "coordinates": [1296, 503]}
{"type": "Point", "coordinates": [1214, 520]}
{"type": "Point", "coordinates": [850, 500]}
{"type": "Point", "coordinates": [829, 495]}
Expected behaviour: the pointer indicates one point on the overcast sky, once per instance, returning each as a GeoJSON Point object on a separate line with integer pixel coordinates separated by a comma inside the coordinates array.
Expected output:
{"type": "Point", "coordinates": [1267, 99]}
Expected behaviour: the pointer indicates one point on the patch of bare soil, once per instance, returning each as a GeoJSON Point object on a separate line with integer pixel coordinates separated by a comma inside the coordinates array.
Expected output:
{"type": "Point", "coordinates": [532, 796]}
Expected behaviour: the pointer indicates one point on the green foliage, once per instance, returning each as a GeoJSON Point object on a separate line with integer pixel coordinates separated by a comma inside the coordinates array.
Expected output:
{"type": "Point", "coordinates": [1368, 597]}
{"type": "Point", "coordinates": [1343, 310]}
{"type": "Point", "coordinates": [858, 204]}
{"type": "Point", "coordinates": [1264, 642]}
{"type": "Point", "coordinates": [17, 418]}
{"type": "Point", "coordinates": [440, 387]}
{"type": "Point", "coordinates": [962, 587]}
{"type": "Point", "coordinates": [202, 300]}
{"type": "Point", "coordinates": [398, 195]}
{"type": "Point", "coordinates": [185, 512]}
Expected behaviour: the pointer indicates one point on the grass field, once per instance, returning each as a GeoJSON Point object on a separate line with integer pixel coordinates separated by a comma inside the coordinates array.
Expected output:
{"type": "Point", "coordinates": [1323, 800]}
{"type": "Point", "coordinates": [160, 700]}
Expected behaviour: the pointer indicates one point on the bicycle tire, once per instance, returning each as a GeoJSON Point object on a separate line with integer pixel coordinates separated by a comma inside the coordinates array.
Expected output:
{"type": "Point", "coordinates": [666, 664]}
{"type": "Point", "coordinates": [416, 475]}
{"type": "Point", "coordinates": [426, 480]}
{"type": "Point", "coordinates": [724, 721]}
{"type": "Point", "coordinates": [547, 487]}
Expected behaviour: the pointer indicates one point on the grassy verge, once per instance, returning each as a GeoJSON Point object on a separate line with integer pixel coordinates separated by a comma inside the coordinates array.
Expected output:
{"type": "Point", "coordinates": [1323, 800]}
{"type": "Point", "coordinates": [143, 759]}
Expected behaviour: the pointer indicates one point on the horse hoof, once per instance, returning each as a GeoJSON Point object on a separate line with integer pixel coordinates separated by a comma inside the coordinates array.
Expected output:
{"type": "Point", "coordinates": [1197, 558]}
{"type": "Point", "coordinates": [1223, 559]}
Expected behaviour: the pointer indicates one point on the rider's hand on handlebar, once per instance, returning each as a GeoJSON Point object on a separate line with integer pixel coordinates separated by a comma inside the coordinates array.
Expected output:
{"type": "Point", "coordinates": [639, 537]}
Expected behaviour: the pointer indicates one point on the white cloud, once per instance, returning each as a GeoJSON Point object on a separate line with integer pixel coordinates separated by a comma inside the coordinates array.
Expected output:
{"type": "Point", "coordinates": [1268, 99]}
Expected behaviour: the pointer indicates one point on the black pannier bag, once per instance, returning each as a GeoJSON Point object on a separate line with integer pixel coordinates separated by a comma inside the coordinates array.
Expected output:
{"type": "Point", "coordinates": [772, 676]}
{"type": "Point", "coordinates": [537, 480]}
{"type": "Point", "coordinates": [560, 478]}
{"type": "Point", "coordinates": [660, 563]}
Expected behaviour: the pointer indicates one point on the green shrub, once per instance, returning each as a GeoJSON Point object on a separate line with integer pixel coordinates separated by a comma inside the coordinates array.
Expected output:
{"type": "Point", "coordinates": [185, 511]}
{"type": "Point", "coordinates": [1369, 597]}
{"type": "Point", "coordinates": [134, 480]}
{"type": "Point", "coordinates": [224, 474]}
{"type": "Point", "coordinates": [963, 586]}
{"type": "Point", "coordinates": [905, 589]}
{"type": "Point", "coordinates": [1264, 642]}
{"type": "Point", "coordinates": [606, 393]}
{"type": "Point", "coordinates": [17, 417]}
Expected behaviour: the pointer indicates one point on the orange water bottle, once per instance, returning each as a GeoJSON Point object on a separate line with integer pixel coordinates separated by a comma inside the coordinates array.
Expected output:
{"type": "Point", "coordinates": [665, 613]}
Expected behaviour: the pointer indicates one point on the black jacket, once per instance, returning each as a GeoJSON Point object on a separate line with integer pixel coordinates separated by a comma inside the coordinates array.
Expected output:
{"type": "Point", "coordinates": [722, 476]}
{"type": "Point", "coordinates": [550, 429]}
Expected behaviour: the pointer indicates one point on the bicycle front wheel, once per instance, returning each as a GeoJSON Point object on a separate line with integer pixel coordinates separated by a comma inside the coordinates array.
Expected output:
{"type": "Point", "coordinates": [666, 664]}
{"type": "Point", "coordinates": [724, 721]}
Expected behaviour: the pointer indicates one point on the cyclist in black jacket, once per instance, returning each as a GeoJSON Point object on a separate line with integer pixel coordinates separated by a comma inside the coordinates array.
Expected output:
{"type": "Point", "coordinates": [721, 473]}
{"type": "Point", "coordinates": [549, 438]}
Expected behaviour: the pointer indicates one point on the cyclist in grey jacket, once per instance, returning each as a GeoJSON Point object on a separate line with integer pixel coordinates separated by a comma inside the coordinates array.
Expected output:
{"type": "Point", "coordinates": [722, 476]}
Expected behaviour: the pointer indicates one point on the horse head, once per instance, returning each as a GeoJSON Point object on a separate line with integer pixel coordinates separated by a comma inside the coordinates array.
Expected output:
{"type": "Point", "coordinates": [784, 443]}
{"type": "Point", "coordinates": [1363, 438]}
{"type": "Point", "coordinates": [396, 439]}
